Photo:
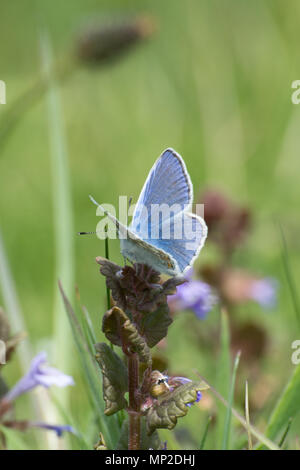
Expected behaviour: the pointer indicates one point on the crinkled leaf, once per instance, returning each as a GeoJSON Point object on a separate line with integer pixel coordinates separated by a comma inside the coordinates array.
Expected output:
{"type": "Point", "coordinates": [155, 325]}
{"type": "Point", "coordinates": [173, 405]}
{"type": "Point", "coordinates": [147, 442]}
{"type": "Point", "coordinates": [114, 378]}
{"type": "Point", "coordinates": [121, 331]}
{"type": "Point", "coordinates": [112, 271]}
{"type": "Point", "coordinates": [137, 288]}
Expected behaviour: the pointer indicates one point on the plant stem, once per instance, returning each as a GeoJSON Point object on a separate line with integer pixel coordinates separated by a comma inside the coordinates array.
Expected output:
{"type": "Point", "coordinates": [134, 413]}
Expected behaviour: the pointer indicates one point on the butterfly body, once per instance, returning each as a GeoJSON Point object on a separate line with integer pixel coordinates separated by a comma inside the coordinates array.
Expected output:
{"type": "Point", "coordinates": [163, 233]}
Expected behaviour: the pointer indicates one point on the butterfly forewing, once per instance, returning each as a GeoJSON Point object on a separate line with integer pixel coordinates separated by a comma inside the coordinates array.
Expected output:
{"type": "Point", "coordinates": [167, 190]}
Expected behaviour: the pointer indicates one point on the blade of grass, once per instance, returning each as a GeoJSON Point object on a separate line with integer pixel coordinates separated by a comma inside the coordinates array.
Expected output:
{"type": "Point", "coordinates": [226, 435]}
{"type": "Point", "coordinates": [285, 433]}
{"type": "Point", "coordinates": [255, 432]}
{"type": "Point", "coordinates": [203, 440]}
{"type": "Point", "coordinates": [287, 407]}
{"type": "Point", "coordinates": [223, 374]}
{"type": "Point", "coordinates": [247, 416]}
{"type": "Point", "coordinates": [108, 426]}
{"type": "Point", "coordinates": [62, 209]}
{"type": "Point", "coordinates": [288, 273]}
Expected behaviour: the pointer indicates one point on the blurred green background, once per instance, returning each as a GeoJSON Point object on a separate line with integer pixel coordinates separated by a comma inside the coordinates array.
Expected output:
{"type": "Point", "coordinates": [214, 83]}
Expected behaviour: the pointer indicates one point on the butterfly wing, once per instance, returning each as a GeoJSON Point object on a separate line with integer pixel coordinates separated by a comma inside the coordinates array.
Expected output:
{"type": "Point", "coordinates": [168, 183]}
{"type": "Point", "coordinates": [186, 237]}
{"type": "Point", "coordinates": [139, 251]}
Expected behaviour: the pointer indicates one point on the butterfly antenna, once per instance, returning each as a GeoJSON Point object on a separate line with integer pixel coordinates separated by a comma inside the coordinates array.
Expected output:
{"type": "Point", "coordinates": [97, 204]}
{"type": "Point", "coordinates": [93, 200]}
{"type": "Point", "coordinates": [86, 233]}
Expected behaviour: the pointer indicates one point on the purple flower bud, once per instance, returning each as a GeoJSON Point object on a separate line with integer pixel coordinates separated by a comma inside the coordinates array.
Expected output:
{"type": "Point", "coordinates": [264, 292]}
{"type": "Point", "coordinates": [193, 295]}
{"type": "Point", "coordinates": [179, 380]}
{"type": "Point", "coordinates": [39, 374]}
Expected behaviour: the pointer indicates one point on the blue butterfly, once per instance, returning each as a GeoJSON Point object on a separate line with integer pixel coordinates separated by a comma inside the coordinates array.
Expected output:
{"type": "Point", "coordinates": [163, 233]}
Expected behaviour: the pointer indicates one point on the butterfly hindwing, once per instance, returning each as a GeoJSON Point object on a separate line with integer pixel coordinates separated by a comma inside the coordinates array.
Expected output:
{"type": "Point", "coordinates": [182, 238]}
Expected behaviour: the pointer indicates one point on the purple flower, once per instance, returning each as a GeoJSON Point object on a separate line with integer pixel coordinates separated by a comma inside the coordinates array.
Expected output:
{"type": "Point", "coordinates": [264, 292]}
{"type": "Point", "coordinates": [193, 295]}
{"type": "Point", "coordinates": [59, 429]}
{"type": "Point", "coordinates": [39, 374]}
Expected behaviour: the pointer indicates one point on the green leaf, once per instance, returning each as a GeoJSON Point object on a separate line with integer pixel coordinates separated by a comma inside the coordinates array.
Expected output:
{"type": "Point", "coordinates": [147, 442]}
{"type": "Point", "coordinates": [173, 405]}
{"type": "Point", "coordinates": [155, 325]}
{"type": "Point", "coordinates": [115, 381]}
{"type": "Point", "coordinates": [120, 331]}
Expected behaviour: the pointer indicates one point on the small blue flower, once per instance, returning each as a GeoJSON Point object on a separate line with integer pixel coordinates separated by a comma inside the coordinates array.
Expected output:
{"type": "Point", "coordinates": [193, 295]}
{"type": "Point", "coordinates": [39, 374]}
{"type": "Point", "coordinates": [264, 292]}
{"type": "Point", "coordinates": [59, 429]}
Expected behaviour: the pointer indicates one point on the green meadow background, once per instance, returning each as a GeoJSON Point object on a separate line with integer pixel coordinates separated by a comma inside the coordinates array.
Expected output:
{"type": "Point", "coordinates": [213, 82]}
